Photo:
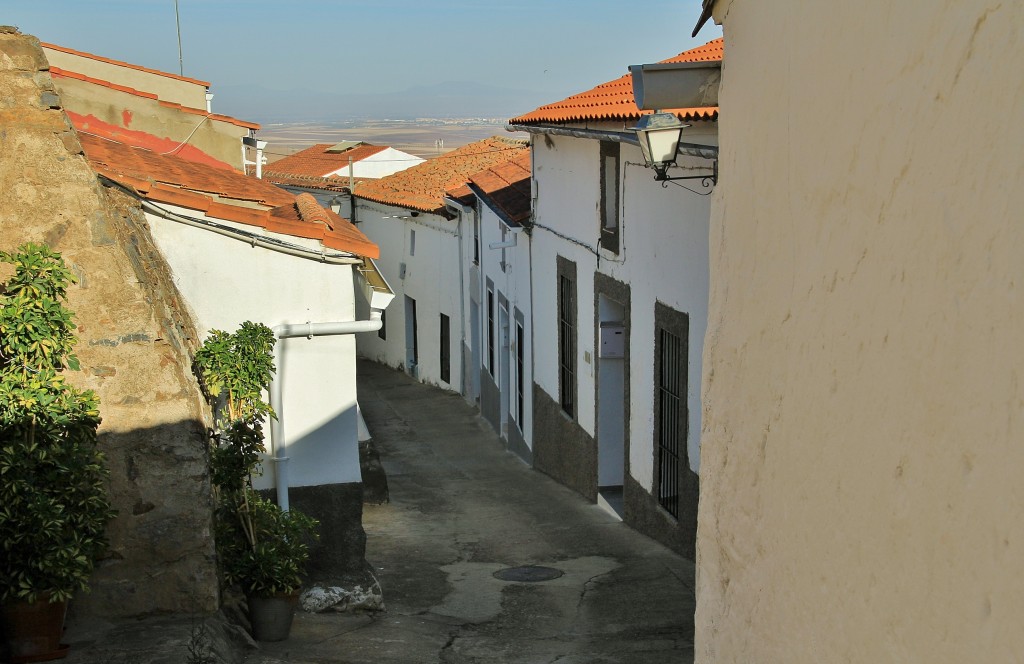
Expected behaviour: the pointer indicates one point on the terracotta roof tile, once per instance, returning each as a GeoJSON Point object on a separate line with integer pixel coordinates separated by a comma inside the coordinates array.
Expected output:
{"type": "Point", "coordinates": [129, 65]}
{"type": "Point", "coordinates": [312, 211]}
{"type": "Point", "coordinates": [424, 186]}
{"type": "Point", "coordinates": [506, 188]}
{"type": "Point", "coordinates": [341, 235]}
{"type": "Point", "coordinates": [307, 181]}
{"type": "Point", "coordinates": [317, 162]}
{"type": "Point", "coordinates": [614, 101]}
{"type": "Point", "coordinates": [90, 124]}
{"type": "Point", "coordinates": [56, 72]}
{"type": "Point", "coordinates": [122, 159]}
{"type": "Point", "coordinates": [177, 181]}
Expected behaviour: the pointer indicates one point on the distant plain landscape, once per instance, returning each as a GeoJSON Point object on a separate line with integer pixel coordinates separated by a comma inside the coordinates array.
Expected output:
{"type": "Point", "coordinates": [418, 136]}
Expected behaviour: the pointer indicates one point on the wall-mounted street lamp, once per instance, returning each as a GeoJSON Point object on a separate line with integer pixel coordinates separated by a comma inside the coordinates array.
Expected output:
{"type": "Point", "coordinates": [659, 135]}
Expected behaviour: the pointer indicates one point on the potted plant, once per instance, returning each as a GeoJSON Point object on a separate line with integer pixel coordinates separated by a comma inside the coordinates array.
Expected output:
{"type": "Point", "coordinates": [262, 548]}
{"type": "Point", "coordinates": [53, 500]}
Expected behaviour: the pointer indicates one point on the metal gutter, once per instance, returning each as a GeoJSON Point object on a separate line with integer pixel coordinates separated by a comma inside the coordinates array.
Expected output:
{"type": "Point", "coordinates": [676, 84]}
{"type": "Point", "coordinates": [252, 239]}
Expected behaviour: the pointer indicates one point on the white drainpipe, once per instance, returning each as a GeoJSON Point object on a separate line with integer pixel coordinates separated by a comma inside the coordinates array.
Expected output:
{"type": "Point", "coordinates": [309, 330]}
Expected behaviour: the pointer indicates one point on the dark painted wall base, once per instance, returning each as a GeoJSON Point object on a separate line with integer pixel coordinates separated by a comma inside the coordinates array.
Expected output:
{"type": "Point", "coordinates": [375, 480]}
{"type": "Point", "coordinates": [643, 513]}
{"type": "Point", "coordinates": [561, 448]}
{"type": "Point", "coordinates": [339, 558]}
{"type": "Point", "coordinates": [490, 400]}
{"type": "Point", "coordinates": [517, 444]}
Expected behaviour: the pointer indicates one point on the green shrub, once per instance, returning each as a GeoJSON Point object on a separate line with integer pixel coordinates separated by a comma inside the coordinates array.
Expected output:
{"type": "Point", "coordinates": [53, 500]}
{"type": "Point", "coordinates": [262, 548]}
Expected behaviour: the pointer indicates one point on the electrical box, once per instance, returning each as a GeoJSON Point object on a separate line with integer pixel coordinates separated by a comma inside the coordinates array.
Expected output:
{"type": "Point", "coordinates": [613, 340]}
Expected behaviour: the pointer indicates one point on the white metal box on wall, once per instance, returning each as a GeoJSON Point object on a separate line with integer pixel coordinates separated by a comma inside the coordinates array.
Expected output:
{"type": "Point", "coordinates": [613, 340]}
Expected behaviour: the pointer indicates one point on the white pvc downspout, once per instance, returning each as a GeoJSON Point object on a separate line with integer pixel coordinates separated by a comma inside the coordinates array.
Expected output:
{"type": "Point", "coordinates": [277, 438]}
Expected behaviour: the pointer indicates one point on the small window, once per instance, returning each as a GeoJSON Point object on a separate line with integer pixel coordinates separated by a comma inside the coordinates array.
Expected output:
{"type": "Point", "coordinates": [412, 243]}
{"type": "Point", "coordinates": [446, 371]}
{"type": "Point", "coordinates": [567, 336]}
{"type": "Point", "coordinates": [520, 342]}
{"type": "Point", "coordinates": [490, 329]}
{"type": "Point", "coordinates": [383, 331]}
{"type": "Point", "coordinates": [476, 240]}
{"type": "Point", "coordinates": [610, 196]}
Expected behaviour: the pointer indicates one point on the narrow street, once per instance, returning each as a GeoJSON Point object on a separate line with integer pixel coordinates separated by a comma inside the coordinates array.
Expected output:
{"type": "Point", "coordinates": [461, 509]}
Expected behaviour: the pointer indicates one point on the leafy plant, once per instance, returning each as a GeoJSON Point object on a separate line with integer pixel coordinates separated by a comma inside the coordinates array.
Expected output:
{"type": "Point", "coordinates": [267, 556]}
{"type": "Point", "coordinates": [53, 501]}
{"type": "Point", "coordinates": [262, 548]}
{"type": "Point", "coordinates": [236, 369]}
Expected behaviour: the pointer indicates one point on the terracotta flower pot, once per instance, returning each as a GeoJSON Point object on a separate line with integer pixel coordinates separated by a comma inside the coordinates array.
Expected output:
{"type": "Point", "coordinates": [34, 629]}
{"type": "Point", "coordinates": [271, 617]}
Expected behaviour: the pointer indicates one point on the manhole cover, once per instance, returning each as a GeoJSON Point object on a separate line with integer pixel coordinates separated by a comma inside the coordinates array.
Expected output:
{"type": "Point", "coordinates": [528, 573]}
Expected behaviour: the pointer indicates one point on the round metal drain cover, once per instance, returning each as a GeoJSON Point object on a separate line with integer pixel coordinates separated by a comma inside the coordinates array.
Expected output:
{"type": "Point", "coordinates": [528, 573]}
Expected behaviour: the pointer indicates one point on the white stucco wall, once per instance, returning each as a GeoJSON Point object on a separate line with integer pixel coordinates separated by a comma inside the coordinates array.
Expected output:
{"type": "Point", "coordinates": [226, 282]}
{"type": "Point", "coordinates": [513, 282]}
{"type": "Point", "coordinates": [385, 162]}
{"type": "Point", "coordinates": [663, 257]}
{"type": "Point", "coordinates": [432, 279]}
{"type": "Point", "coordinates": [861, 494]}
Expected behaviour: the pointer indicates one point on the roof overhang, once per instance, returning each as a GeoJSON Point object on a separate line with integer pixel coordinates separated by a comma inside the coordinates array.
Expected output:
{"type": "Point", "coordinates": [676, 84]}
{"type": "Point", "coordinates": [502, 215]}
{"type": "Point", "coordinates": [705, 13]}
{"type": "Point", "coordinates": [686, 149]}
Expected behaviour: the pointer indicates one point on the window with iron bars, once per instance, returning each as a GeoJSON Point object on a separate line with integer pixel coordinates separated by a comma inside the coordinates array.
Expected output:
{"type": "Point", "coordinates": [446, 371]}
{"type": "Point", "coordinates": [520, 342]}
{"type": "Point", "coordinates": [671, 415]}
{"type": "Point", "coordinates": [567, 336]}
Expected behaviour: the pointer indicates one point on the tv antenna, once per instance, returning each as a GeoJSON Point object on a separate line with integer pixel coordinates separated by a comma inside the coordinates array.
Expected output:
{"type": "Point", "coordinates": [177, 21]}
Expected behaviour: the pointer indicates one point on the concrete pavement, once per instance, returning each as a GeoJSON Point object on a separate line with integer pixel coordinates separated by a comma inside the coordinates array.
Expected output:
{"type": "Point", "coordinates": [463, 508]}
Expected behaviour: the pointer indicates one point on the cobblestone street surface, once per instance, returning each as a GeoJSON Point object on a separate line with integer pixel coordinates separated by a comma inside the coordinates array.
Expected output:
{"type": "Point", "coordinates": [461, 509]}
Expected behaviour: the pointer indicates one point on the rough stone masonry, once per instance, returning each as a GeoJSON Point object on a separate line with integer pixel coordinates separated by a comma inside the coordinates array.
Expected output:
{"type": "Point", "coordinates": [135, 346]}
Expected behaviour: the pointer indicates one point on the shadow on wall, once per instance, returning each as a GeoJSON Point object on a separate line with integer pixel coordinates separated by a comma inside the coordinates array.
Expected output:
{"type": "Point", "coordinates": [331, 452]}
{"type": "Point", "coordinates": [162, 558]}
{"type": "Point", "coordinates": [161, 553]}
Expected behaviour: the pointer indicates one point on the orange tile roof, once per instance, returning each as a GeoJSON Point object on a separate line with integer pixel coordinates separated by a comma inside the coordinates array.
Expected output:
{"type": "Point", "coordinates": [614, 101]}
{"type": "Point", "coordinates": [129, 65]}
{"type": "Point", "coordinates": [213, 191]}
{"type": "Point", "coordinates": [317, 162]}
{"type": "Point", "coordinates": [332, 183]}
{"type": "Point", "coordinates": [424, 186]}
{"type": "Point", "coordinates": [506, 188]}
{"type": "Point", "coordinates": [90, 124]}
{"type": "Point", "coordinates": [57, 72]}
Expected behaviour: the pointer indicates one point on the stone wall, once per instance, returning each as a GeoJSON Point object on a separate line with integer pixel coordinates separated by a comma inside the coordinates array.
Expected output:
{"type": "Point", "coordinates": [135, 343]}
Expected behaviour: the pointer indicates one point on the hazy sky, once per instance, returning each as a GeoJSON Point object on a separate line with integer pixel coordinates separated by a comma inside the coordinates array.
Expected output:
{"type": "Point", "coordinates": [546, 49]}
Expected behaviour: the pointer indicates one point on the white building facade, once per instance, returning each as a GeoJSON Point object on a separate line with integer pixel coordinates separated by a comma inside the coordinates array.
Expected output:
{"type": "Point", "coordinates": [426, 225]}
{"type": "Point", "coordinates": [421, 260]}
{"type": "Point", "coordinates": [619, 298]}
{"type": "Point", "coordinates": [501, 314]}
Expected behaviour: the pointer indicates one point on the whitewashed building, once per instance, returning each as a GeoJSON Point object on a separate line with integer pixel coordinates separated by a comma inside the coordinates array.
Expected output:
{"type": "Point", "coordinates": [332, 167]}
{"type": "Point", "coordinates": [420, 220]}
{"type": "Point", "coordinates": [255, 252]}
{"type": "Point", "coordinates": [501, 318]}
{"type": "Point", "coordinates": [619, 294]}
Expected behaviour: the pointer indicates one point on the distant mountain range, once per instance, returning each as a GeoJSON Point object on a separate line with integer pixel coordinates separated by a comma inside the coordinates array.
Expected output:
{"type": "Point", "coordinates": [445, 100]}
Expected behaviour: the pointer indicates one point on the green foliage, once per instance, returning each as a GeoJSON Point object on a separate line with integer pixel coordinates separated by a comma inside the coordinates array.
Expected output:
{"type": "Point", "coordinates": [262, 548]}
{"type": "Point", "coordinates": [235, 370]}
{"type": "Point", "coordinates": [53, 501]}
{"type": "Point", "coordinates": [269, 559]}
